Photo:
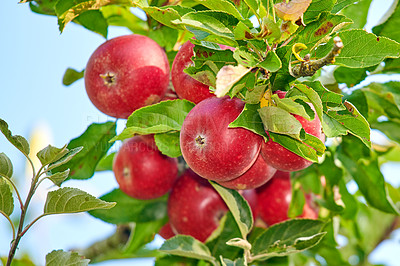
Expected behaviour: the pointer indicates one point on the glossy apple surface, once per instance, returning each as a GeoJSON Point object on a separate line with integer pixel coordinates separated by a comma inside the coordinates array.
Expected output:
{"type": "Point", "coordinates": [213, 150]}
{"type": "Point", "coordinates": [274, 199]}
{"type": "Point", "coordinates": [194, 207]}
{"type": "Point", "coordinates": [258, 174]}
{"type": "Point", "coordinates": [283, 159]}
{"type": "Point", "coordinates": [126, 73]}
{"type": "Point", "coordinates": [166, 231]}
{"type": "Point", "coordinates": [141, 171]}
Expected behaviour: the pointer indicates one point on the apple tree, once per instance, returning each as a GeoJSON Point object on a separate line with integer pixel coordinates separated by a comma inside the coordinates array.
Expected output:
{"type": "Point", "coordinates": [247, 122]}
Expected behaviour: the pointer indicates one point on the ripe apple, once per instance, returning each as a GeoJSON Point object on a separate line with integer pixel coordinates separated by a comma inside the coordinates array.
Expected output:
{"type": "Point", "coordinates": [250, 195]}
{"type": "Point", "coordinates": [213, 150]}
{"type": "Point", "coordinates": [283, 159]}
{"type": "Point", "coordinates": [141, 170]}
{"type": "Point", "coordinates": [258, 174]}
{"type": "Point", "coordinates": [194, 206]}
{"type": "Point", "coordinates": [166, 231]}
{"type": "Point", "coordinates": [185, 86]}
{"type": "Point", "coordinates": [274, 199]}
{"type": "Point", "coordinates": [126, 73]}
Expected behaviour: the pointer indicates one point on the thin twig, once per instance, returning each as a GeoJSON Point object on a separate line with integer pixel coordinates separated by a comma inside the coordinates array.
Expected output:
{"type": "Point", "coordinates": [308, 67]}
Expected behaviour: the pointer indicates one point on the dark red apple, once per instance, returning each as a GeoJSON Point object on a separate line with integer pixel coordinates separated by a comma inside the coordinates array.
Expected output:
{"type": "Point", "coordinates": [194, 207]}
{"type": "Point", "coordinates": [166, 231]}
{"type": "Point", "coordinates": [258, 174]}
{"type": "Point", "coordinates": [141, 170]}
{"type": "Point", "coordinates": [126, 73]}
{"type": "Point", "coordinates": [283, 159]}
{"type": "Point", "coordinates": [213, 150]}
{"type": "Point", "coordinates": [274, 199]}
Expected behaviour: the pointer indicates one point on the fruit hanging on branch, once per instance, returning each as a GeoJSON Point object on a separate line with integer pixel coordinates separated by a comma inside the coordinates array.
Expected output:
{"type": "Point", "coordinates": [212, 149]}
{"type": "Point", "coordinates": [141, 170]}
{"type": "Point", "coordinates": [274, 199]}
{"type": "Point", "coordinates": [125, 74]}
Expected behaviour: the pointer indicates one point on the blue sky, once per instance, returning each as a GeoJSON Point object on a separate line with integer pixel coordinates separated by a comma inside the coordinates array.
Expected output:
{"type": "Point", "coordinates": [34, 58]}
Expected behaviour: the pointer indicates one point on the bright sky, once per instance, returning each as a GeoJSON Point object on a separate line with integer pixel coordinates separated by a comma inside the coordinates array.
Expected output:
{"type": "Point", "coordinates": [34, 58]}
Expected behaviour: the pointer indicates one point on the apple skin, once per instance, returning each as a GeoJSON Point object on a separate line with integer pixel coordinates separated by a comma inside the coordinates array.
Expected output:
{"type": "Point", "coordinates": [258, 174]}
{"type": "Point", "coordinates": [194, 207]}
{"type": "Point", "coordinates": [213, 150]}
{"type": "Point", "coordinates": [250, 195]}
{"type": "Point", "coordinates": [283, 159]}
{"type": "Point", "coordinates": [166, 231]}
{"type": "Point", "coordinates": [185, 86]}
{"type": "Point", "coordinates": [126, 73]}
{"type": "Point", "coordinates": [141, 171]}
{"type": "Point", "coordinates": [274, 199]}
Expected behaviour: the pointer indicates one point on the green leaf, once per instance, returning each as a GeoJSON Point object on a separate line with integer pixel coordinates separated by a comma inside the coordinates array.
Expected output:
{"type": "Point", "coordinates": [18, 141]}
{"type": "Point", "coordinates": [312, 96]}
{"type": "Point", "coordinates": [169, 260]}
{"type": "Point", "coordinates": [6, 167]}
{"type": "Point", "coordinates": [347, 121]}
{"type": "Point", "coordinates": [362, 49]}
{"type": "Point", "coordinates": [330, 100]}
{"type": "Point", "coordinates": [238, 206]}
{"type": "Point", "coordinates": [167, 15]}
{"type": "Point", "coordinates": [250, 119]}
{"type": "Point", "coordinates": [141, 234]}
{"type": "Point", "coordinates": [67, 10]}
{"type": "Point", "coordinates": [129, 209]}
{"type": "Point", "coordinates": [59, 178]}
{"type": "Point", "coordinates": [318, 30]}
{"type": "Point", "coordinates": [162, 117]}
{"type": "Point", "coordinates": [257, 7]}
{"type": "Point", "coordinates": [362, 164]}
{"type": "Point", "coordinates": [221, 5]}
{"type": "Point", "coordinates": [291, 106]}
{"type": "Point", "coordinates": [296, 205]}
{"type": "Point", "coordinates": [51, 154]}
{"type": "Point", "coordinates": [288, 237]}
{"type": "Point", "coordinates": [71, 75]}
{"type": "Point", "coordinates": [237, 262]}
{"type": "Point", "coordinates": [389, 27]}
{"type": "Point", "coordinates": [295, 146]}
{"type": "Point", "coordinates": [6, 198]}
{"type": "Point", "coordinates": [281, 79]}
{"type": "Point", "coordinates": [227, 230]}
{"type": "Point", "coordinates": [45, 7]}
{"type": "Point", "coordinates": [122, 16]}
{"type": "Point", "coordinates": [340, 4]}
{"type": "Point", "coordinates": [316, 8]}
{"type": "Point", "coordinates": [216, 23]}
{"type": "Point", "coordinates": [95, 142]}
{"type": "Point", "coordinates": [65, 159]}
{"type": "Point", "coordinates": [187, 246]}
{"type": "Point", "coordinates": [168, 144]}
{"type": "Point", "coordinates": [93, 20]}
{"type": "Point", "coordinates": [278, 120]}
{"type": "Point", "coordinates": [390, 128]}
{"type": "Point", "coordinates": [358, 12]}
{"type": "Point", "coordinates": [350, 76]}
{"type": "Point", "coordinates": [73, 200]}
{"type": "Point", "coordinates": [60, 257]}
{"type": "Point", "coordinates": [271, 63]}
{"type": "Point", "coordinates": [106, 163]}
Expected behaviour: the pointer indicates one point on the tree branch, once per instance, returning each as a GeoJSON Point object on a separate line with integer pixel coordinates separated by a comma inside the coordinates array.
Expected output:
{"type": "Point", "coordinates": [308, 67]}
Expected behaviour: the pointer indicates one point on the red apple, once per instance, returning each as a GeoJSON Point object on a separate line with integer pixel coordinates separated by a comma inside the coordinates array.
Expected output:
{"type": "Point", "coordinates": [194, 207]}
{"type": "Point", "coordinates": [126, 73]}
{"type": "Point", "coordinates": [213, 150]}
{"type": "Point", "coordinates": [166, 231]}
{"type": "Point", "coordinates": [258, 174]}
{"type": "Point", "coordinates": [283, 159]}
{"type": "Point", "coordinates": [185, 86]}
{"type": "Point", "coordinates": [274, 199]}
{"type": "Point", "coordinates": [141, 170]}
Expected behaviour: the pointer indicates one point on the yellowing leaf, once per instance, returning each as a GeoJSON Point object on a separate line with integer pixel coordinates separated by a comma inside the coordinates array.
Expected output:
{"type": "Point", "coordinates": [293, 10]}
{"type": "Point", "coordinates": [227, 77]}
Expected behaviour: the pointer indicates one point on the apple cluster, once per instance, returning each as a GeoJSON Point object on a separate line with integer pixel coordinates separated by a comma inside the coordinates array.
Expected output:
{"type": "Point", "coordinates": [130, 72]}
